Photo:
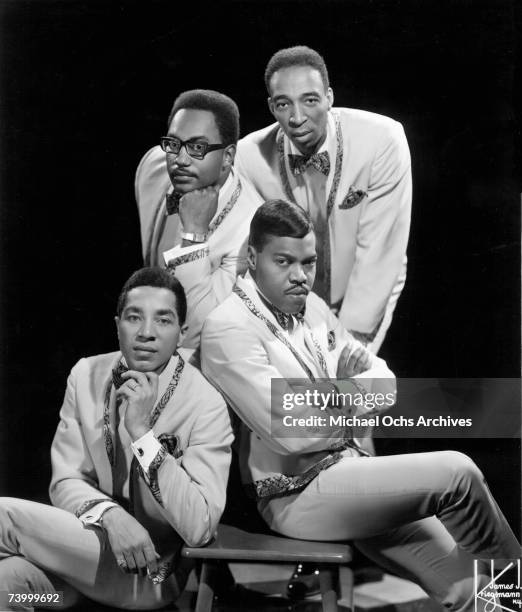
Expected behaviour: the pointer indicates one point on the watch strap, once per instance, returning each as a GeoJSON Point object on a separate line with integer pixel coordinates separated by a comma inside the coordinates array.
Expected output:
{"type": "Point", "coordinates": [193, 236]}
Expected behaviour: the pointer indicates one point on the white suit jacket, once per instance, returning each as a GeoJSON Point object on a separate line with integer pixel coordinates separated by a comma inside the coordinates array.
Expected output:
{"type": "Point", "coordinates": [207, 271]}
{"type": "Point", "coordinates": [241, 355]}
{"type": "Point", "coordinates": [368, 209]}
{"type": "Point", "coordinates": [184, 498]}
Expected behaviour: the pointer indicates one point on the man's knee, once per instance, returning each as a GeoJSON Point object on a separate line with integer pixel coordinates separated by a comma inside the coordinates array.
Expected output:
{"type": "Point", "coordinates": [464, 479]}
{"type": "Point", "coordinates": [12, 507]}
{"type": "Point", "coordinates": [15, 514]}
{"type": "Point", "coordinates": [461, 465]}
{"type": "Point", "coordinates": [6, 506]}
{"type": "Point", "coordinates": [20, 576]}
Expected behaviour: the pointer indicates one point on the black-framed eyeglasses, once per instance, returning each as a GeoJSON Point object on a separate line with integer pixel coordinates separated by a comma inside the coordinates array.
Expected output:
{"type": "Point", "coordinates": [195, 149]}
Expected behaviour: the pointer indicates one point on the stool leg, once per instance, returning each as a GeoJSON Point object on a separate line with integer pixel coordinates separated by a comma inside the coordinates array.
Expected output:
{"type": "Point", "coordinates": [329, 581]}
{"type": "Point", "coordinates": [206, 587]}
{"type": "Point", "coordinates": [346, 586]}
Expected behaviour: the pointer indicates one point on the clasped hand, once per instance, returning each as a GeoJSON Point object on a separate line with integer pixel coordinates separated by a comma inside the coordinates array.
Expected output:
{"type": "Point", "coordinates": [140, 391]}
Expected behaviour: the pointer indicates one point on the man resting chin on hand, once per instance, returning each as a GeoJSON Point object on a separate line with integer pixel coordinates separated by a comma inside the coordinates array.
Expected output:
{"type": "Point", "coordinates": [140, 465]}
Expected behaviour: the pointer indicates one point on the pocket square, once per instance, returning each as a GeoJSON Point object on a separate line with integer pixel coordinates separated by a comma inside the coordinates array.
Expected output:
{"type": "Point", "coordinates": [171, 443]}
{"type": "Point", "coordinates": [354, 197]}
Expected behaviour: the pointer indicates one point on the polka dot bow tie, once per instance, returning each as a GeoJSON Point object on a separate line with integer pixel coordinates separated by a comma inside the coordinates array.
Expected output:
{"type": "Point", "coordinates": [284, 319]}
{"type": "Point", "coordinates": [319, 161]}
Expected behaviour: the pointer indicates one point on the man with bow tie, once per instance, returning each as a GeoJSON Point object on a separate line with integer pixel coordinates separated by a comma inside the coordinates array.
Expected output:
{"type": "Point", "coordinates": [348, 168]}
{"type": "Point", "coordinates": [193, 205]}
{"type": "Point", "coordinates": [424, 516]}
{"type": "Point", "coordinates": [140, 464]}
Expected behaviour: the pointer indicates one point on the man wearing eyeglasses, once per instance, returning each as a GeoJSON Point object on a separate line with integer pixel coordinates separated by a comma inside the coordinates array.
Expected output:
{"type": "Point", "coordinates": [195, 216]}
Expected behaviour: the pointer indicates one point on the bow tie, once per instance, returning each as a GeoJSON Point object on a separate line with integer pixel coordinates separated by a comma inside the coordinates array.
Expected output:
{"type": "Point", "coordinates": [319, 161]}
{"type": "Point", "coordinates": [117, 380]}
{"type": "Point", "coordinates": [283, 318]}
{"type": "Point", "coordinates": [173, 203]}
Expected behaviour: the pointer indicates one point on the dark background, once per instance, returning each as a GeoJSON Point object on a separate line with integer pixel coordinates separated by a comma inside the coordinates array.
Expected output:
{"type": "Point", "coordinates": [86, 88]}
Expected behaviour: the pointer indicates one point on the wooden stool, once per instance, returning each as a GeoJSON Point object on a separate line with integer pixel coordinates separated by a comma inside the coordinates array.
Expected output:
{"type": "Point", "coordinates": [235, 545]}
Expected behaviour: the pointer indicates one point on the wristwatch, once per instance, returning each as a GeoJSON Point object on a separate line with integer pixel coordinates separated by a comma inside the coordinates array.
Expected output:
{"type": "Point", "coordinates": [193, 237]}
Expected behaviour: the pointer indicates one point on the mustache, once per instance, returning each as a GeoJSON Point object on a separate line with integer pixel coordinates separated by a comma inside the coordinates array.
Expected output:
{"type": "Point", "coordinates": [304, 286]}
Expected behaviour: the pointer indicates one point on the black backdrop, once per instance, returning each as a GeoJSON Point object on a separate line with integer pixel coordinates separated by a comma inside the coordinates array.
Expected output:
{"type": "Point", "coordinates": [86, 87]}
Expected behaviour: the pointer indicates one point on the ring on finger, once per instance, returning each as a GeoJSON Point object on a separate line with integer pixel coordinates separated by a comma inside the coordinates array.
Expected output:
{"type": "Point", "coordinates": [121, 563]}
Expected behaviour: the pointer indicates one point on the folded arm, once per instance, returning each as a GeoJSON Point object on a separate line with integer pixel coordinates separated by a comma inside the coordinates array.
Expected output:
{"type": "Point", "coordinates": [236, 361]}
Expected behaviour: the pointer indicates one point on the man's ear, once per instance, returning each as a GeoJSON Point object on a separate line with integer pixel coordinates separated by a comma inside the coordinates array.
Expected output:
{"type": "Point", "coordinates": [117, 321]}
{"type": "Point", "coordinates": [251, 257]}
{"type": "Point", "coordinates": [182, 333]}
{"type": "Point", "coordinates": [271, 106]}
{"type": "Point", "coordinates": [228, 157]}
{"type": "Point", "coordinates": [330, 97]}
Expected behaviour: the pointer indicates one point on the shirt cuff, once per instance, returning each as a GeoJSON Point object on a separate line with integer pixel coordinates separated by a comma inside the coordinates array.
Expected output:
{"type": "Point", "coordinates": [94, 514]}
{"type": "Point", "coordinates": [182, 252]}
{"type": "Point", "coordinates": [145, 449]}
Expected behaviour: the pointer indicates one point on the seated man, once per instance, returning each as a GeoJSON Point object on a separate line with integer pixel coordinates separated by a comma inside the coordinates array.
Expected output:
{"type": "Point", "coordinates": [194, 207]}
{"type": "Point", "coordinates": [423, 516]}
{"type": "Point", "coordinates": [140, 463]}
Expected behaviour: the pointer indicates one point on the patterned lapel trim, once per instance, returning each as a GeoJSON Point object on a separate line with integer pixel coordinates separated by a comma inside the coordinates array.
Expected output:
{"type": "Point", "coordinates": [338, 166]}
{"type": "Point", "coordinates": [282, 167]}
{"type": "Point", "coordinates": [319, 352]}
{"type": "Point", "coordinates": [332, 196]}
{"type": "Point", "coordinates": [154, 415]}
{"type": "Point", "coordinates": [107, 433]}
{"type": "Point", "coordinates": [229, 206]}
{"type": "Point", "coordinates": [158, 409]}
{"type": "Point", "coordinates": [277, 333]}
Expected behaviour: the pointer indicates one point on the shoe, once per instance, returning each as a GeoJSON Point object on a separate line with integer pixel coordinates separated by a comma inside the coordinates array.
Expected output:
{"type": "Point", "coordinates": [304, 582]}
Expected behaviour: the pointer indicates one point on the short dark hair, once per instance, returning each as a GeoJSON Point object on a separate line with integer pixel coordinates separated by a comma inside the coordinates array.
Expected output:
{"type": "Point", "coordinates": [278, 218]}
{"type": "Point", "coordinates": [155, 277]}
{"type": "Point", "coordinates": [224, 109]}
{"type": "Point", "coordinates": [296, 56]}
